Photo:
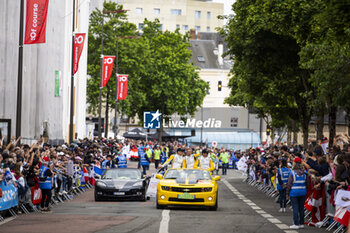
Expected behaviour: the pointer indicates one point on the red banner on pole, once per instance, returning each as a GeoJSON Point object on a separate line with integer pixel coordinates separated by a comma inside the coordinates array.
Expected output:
{"type": "Point", "coordinates": [122, 86]}
{"type": "Point", "coordinates": [79, 39]}
{"type": "Point", "coordinates": [36, 21]}
{"type": "Point", "coordinates": [107, 69]}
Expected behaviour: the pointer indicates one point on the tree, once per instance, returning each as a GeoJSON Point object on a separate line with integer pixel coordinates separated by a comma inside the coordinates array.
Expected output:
{"type": "Point", "coordinates": [327, 54]}
{"type": "Point", "coordinates": [114, 25]}
{"type": "Point", "coordinates": [171, 82]}
{"type": "Point", "coordinates": [161, 76]}
{"type": "Point", "coordinates": [266, 71]}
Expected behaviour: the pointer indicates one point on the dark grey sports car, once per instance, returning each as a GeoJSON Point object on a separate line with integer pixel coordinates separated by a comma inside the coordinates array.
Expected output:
{"type": "Point", "coordinates": [121, 183]}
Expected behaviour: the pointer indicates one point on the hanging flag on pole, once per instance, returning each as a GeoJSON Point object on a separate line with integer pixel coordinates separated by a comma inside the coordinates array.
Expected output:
{"type": "Point", "coordinates": [36, 17]}
{"type": "Point", "coordinates": [107, 69]}
{"type": "Point", "coordinates": [122, 86]}
{"type": "Point", "coordinates": [79, 39]}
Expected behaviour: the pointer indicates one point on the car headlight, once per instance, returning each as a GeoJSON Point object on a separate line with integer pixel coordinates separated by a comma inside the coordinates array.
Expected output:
{"type": "Point", "coordinates": [166, 188]}
{"type": "Point", "coordinates": [137, 184]}
{"type": "Point", "coordinates": [101, 185]}
{"type": "Point", "coordinates": [207, 189]}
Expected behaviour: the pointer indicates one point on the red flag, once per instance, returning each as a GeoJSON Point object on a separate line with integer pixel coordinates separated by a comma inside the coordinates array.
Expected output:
{"type": "Point", "coordinates": [36, 195]}
{"type": "Point", "coordinates": [86, 175]}
{"type": "Point", "coordinates": [122, 86]}
{"type": "Point", "coordinates": [36, 21]}
{"type": "Point", "coordinates": [79, 39]}
{"type": "Point", "coordinates": [107, 69]}
{"type": "Point", "coordinates": [342, 215]}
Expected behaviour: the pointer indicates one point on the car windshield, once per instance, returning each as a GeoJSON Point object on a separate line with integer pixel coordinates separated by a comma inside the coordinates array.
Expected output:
{"type": "Point", "coordinates": [127, 174]}
{"type": "Point", "coordinates": [192, 174]}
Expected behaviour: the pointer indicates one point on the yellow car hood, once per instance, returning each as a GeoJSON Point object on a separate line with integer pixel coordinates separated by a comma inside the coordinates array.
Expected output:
{"type": "Point", "coordinates": [187, 183]}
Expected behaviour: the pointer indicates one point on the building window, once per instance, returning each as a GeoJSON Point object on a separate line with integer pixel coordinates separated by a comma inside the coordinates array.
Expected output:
{"type": "Point", "coordinates": [138, 10]}
{"type": "Point", "coordinates": [5, 130]}
{"type": "Point", "coordinates": [198, 28]}
{"type": "Point", "coordinates": [161, 27]}
{"type": "Point", "coordinates": [177, 26]}
{"type": "Point", "coordinates": [234, 121]}
{"type": "Point", "coordinates": [175, 11]}
{"type": "Point", "coordinates": [185, 27]}
{"type": "Point", "coordinates": [141, 25]}
{"type": "Point", "coordinates": [208, 29]}
{"type": "Point", "coordinates": [156, 11]}
{"type": "Point", "coordinates": [197, 14]}
{"type": "Point", "coordinates": [208, 15]}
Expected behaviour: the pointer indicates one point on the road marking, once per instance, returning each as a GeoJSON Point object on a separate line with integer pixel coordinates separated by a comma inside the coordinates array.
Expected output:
{"type": "Point", "coordinates": [257, 209]}
{"type": "Point", "coordinates": [282, 226]}
{"type": "Point", "coordinates": [267, 215]}
{"type": "Point", "coordinates": [164, 223]}
{"type": "Point", "coordinates": [274, 220]}
{"type": "Point", "coordinates": [7, 220]}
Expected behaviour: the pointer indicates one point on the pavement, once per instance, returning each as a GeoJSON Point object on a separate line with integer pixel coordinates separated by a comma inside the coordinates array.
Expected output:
{"type": "Point", "coordinates": [242, 209]}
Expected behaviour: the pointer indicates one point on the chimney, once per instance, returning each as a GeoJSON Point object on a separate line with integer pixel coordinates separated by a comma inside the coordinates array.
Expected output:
{"type": "Point", "coordinates": [220, 53]}
{"type": "Point", "coordinates": [193, 35]}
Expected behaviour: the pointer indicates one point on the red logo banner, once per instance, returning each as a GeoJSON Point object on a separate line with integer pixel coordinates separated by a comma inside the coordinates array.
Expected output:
{"type": "Point", "coordinates": [79, 39]}
{"type": "Point", "coordinates": [36, 21]}
{"type": "Point", "coordinates": [107, 69]}
{"type": "Point", "coordinates": [122, 86]}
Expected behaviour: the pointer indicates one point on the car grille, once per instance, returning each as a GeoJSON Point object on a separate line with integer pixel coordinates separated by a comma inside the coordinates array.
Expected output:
{"type": "Point", "coordinates": [186, 200]}
{"type": "Point", "coordinates": [129, 192]}
{"type": "Point", "coordinates": [187, 190]}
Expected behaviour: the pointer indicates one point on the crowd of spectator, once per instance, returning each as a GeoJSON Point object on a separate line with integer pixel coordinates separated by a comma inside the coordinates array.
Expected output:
{"type": "Point", "coordinates": [326, 170]}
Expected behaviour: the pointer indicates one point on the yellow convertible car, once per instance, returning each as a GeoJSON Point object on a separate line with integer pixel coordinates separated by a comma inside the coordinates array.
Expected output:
{"type": "Point", "coordinates": [187, 187]}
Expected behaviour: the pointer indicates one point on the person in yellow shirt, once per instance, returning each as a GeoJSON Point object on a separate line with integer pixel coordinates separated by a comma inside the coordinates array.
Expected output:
{"type": "Point", "coordinates": [157, 153]}
{"type": "Point", "coordinates": [177, 160]}
{"type": "Point", "coordinates": [224, 156]}
{"type": "Point", "coordinates": [205, 162]}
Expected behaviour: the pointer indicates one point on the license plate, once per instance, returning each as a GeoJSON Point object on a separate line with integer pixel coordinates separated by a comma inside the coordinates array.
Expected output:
{"type": "Point", "coordinates": [119, 193]}
{"type": "Point", "coordinates": [186, 196]}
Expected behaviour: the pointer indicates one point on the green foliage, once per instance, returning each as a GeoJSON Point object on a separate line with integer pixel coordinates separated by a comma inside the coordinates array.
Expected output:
{"type": "Point", "coordinates": [266, 71]}
{"type": "Point", "coordinates": [291, 56]}
{"type": "Point", "coordinates": [158, 63]}
{"type": "Point", "coordinates": [114, 25]}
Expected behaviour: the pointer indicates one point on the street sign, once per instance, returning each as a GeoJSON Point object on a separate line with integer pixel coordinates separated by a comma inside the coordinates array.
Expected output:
{"type": "Point", "coordinates": [214, 143]}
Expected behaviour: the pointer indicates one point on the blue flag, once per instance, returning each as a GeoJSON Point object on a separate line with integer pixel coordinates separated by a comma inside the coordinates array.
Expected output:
{"type": "Point", "coordinates": [98, 170]}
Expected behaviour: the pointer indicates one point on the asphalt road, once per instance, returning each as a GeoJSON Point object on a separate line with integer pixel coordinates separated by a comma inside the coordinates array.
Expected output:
{"type": "Point", "coordinates": [241, 209]}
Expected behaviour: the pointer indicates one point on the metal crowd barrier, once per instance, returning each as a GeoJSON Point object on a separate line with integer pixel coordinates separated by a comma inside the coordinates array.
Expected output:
{"type": "Point", "coordinates": [77, 188]}
{"type": "Point", "coordinates": [270, 191]}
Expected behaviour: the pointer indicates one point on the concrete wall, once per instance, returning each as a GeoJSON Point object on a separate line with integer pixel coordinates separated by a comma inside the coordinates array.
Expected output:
{"type": "Point", "coordinates": [40, 61]}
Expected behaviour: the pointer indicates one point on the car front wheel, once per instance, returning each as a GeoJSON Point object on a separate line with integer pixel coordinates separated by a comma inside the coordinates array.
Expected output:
{"type": "Point", "coordinates": [97, 197]}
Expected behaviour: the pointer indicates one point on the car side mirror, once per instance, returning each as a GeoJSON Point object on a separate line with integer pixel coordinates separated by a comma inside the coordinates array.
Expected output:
{"type": "Point", "coordinates": [159, 176]}
{"type": "Point", "coordinates": [217, 178]}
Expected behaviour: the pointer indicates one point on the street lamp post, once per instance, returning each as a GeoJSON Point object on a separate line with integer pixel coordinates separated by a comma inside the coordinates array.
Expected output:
{"type": "Point", "coordinates": [100, 94]}
{"type": "Point", "coordinates": [116, 84]}
{"type": "Point", "coordinates": [20, 73]}
{"type": "Point", "coordinates": [71, 133]}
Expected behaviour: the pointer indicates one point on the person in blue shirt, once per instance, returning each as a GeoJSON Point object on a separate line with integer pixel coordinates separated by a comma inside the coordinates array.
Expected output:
{"type": "Point", "coordinates": [163, 156]}
{"type": "Point", "coordinates": [282, 177]}
{"type": "Point", "coordinates": [144, 161]}
{"type": "Point", "coordinates": [296, 190]}
{"type": "Point", "coordinates": [121, 160]}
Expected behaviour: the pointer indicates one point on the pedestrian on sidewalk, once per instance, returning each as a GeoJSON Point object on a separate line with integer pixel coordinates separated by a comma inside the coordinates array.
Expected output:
{"type": "Point", "coordinates": [296, 190]}
{"type": "Point", "coordinates": [282, 177]}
